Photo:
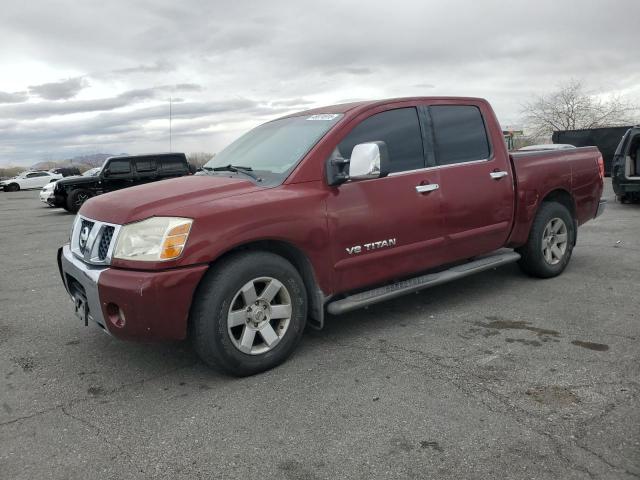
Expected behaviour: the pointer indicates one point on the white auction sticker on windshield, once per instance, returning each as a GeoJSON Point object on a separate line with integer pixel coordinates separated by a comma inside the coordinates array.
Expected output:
{"type": "Point", "coordinates": [323, 116]}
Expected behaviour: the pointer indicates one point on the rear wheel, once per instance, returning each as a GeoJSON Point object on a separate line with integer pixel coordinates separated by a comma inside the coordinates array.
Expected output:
{"type": "Point", "coordinates": [249, 313]}
{"type": "Point", "coordinates": [550, 243]}
{"type": "Point", "coordinates": [76, 199]}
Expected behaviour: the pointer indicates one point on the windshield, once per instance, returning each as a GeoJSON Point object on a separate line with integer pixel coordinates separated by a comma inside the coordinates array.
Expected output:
{"type": "Point", "coordinates": [275, 147]}
{"type": "Point", "coordinates": [91, 172]}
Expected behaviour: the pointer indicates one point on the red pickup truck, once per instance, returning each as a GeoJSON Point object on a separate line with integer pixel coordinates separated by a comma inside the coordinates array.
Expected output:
{"type": "Point", "coordinates": [326, 210]}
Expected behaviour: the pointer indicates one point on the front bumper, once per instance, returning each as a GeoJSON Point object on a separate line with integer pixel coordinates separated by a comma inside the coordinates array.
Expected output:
{"type": "Point", "coordinates": [133, 304]}
{"type": "Point", "coordinates": [46, 197]}
{"type": "Point", "coordinates": [601, 206]}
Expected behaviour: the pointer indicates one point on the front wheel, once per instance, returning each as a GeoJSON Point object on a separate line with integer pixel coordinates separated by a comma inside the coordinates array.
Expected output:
{"type": "Point", "coordinates": [550, 244]}
{"type": "Point", "coordinates": [76, 199]}
{"type": "Point", "coordinates": [249, 313]}
{"type": "Point", "coordinates": [12, 187]}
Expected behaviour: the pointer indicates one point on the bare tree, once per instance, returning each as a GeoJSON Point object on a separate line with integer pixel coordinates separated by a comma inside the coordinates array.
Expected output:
{"type": "Point", "coordinates": [198, 159]}
{"type": "Point", "coordinates": [572, 107]}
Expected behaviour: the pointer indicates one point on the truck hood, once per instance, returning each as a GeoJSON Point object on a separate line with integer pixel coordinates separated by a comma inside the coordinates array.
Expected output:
{"type": "Point", "coordinates": [168, 197]}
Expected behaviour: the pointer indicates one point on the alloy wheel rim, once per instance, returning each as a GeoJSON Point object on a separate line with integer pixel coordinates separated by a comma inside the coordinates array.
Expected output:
{"type": "Point", "coordinates": [259, 315]}
{"type": "Point", "coordinates": [81, 199]}
{"type": "Point", "coordinates": [554, 241]}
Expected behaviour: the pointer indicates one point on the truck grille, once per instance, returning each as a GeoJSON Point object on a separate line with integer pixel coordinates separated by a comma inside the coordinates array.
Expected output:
{"type": "Point", "coordinates": [92, 240]}
{"type": "Point", "coordinates": [105, 241]}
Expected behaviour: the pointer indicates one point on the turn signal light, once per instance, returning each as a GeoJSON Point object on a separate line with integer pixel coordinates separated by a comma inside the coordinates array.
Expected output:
{"type": "Point", "coordinates": [174, 241]}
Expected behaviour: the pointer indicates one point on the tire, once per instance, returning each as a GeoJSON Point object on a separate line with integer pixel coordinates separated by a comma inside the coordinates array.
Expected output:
{"type": "Point", "coordinates": [76, 198]}
{"type": "Point", "coordinates": [12, 187]}
{"type": "Point", "coordinates": [539, 257]}
{"type": "Point", "coordinates": [222, 315]}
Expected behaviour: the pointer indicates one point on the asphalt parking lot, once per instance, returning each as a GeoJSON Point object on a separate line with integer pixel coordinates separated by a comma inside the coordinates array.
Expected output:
{"type": "Point", "coordinates": [495, 376]}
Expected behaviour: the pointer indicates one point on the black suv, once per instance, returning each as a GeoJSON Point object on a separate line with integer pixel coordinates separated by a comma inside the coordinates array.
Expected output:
{"type": "Point", "coordinates": [625, 175]}
{"type": "Point", "coordinates": [117, 173]}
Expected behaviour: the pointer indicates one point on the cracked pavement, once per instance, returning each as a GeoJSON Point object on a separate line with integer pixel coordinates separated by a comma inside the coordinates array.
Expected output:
{"type": "Point", "coordinates": [495, 376]}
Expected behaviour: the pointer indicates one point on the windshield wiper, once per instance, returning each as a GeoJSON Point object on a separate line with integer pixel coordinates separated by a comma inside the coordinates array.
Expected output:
{"type": "Point", "coordinates": [236, 169]}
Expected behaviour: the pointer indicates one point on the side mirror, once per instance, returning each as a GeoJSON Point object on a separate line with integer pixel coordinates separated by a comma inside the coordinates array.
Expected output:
{"type": "Point", "coordinates": [369, 160]}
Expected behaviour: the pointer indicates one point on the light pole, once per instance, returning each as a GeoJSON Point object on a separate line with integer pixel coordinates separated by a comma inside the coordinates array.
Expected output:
{"type": "Point", "coordinates": [169, 124]}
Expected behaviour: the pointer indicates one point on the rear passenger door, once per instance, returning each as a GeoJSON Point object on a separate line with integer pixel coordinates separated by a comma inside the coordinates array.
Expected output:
{"type": "Point", "coordinates": [386, 228]}
{"type": "Point", "coordinates": [146, 170]}
{"type": "Point", "coordinates": [475, 180]}
{"type": "Point", "coordinates": [170, 167]}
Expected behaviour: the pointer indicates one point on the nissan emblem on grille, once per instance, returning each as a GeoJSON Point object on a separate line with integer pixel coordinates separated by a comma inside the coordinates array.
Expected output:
{"type": "Point", "coordinates": [84, 237]}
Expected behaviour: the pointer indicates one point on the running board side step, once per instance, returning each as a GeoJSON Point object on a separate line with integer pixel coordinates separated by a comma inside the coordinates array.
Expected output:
{"type": "Point", "coordinates": [416, 284]}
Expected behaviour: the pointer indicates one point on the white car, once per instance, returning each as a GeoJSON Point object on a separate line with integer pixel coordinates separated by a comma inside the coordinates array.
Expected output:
{"type": "Point", "coordinates": [28, 180]}
{"type": "Point", "coordinates": [46, 194]}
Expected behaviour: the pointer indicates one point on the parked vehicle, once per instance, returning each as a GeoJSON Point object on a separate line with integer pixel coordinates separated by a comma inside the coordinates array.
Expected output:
{"type": "Point", "coordinates": [28, 180]}
{"type": "Point", "coordinates": [606, 139]}
{"type": "Point", "coordinates": [326, 210]}
{"type": "Point", "coordinates": [545, 147]}
{"type": "Point", "coordinates": [66, 171]}
{"type": "Point", "coordinates": [46, 194]}
{"type": "Point", "coordinates": [626, 167]}
{"type": "Point", "coordinates": [118, 173]}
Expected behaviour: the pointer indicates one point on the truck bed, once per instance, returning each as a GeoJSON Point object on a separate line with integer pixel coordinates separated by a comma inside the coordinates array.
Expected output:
{"type": "Point", "coordinates": [538, 174]}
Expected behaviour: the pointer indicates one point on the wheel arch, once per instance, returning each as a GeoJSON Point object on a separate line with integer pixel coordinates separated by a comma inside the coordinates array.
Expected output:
{"type": "Point", "coordinates": [563, 197]}
{"type": "Point", "coordinates": [300, 261]}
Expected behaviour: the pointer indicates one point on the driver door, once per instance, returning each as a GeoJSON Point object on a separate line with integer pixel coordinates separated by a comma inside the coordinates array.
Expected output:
{"type": "Point", "coordinates": [35, 180]}
{"type": "Point", "coordinates": [390, 227]}
{"type": "Point", "coordinates": [118, 174]}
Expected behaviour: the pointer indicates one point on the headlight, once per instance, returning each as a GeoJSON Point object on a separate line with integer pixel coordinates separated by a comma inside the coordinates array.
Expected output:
{"type": "Point", "coordinates": [154, 239]}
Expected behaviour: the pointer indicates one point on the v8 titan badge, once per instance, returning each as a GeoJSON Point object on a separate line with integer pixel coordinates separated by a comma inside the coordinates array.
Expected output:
{"type": "Point", "coordinates": [366, 247]}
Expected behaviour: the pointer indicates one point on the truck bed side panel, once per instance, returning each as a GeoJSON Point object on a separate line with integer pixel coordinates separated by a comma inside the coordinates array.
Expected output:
{"type": "Point", "coordinates": [538, 174]}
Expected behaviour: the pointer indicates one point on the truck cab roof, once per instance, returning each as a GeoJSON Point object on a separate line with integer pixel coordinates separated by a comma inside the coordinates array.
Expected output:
{"type": "Point", "coordinates": [360, 106]}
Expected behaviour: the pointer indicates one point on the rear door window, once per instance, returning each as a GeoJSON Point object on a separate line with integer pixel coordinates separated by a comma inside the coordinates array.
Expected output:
{"type": "Point", "coordinates": [460, 134]}
{"type": "Point", "coordinates": [145, 165]}
{"type": "Point", "coordinates": [172, 165]}
{"type": "Point", "coordinates": [399, 129]}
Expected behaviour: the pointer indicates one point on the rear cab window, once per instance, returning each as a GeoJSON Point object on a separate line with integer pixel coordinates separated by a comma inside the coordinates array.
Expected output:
{"type": "Point", "coordinates": [399, 129]}
{"type": "Point", "coordinates": [460, 134]}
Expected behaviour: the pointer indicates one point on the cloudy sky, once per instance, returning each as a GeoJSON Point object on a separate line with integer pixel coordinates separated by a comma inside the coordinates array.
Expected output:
{"type": "Point", "coordinates": [84, 77]}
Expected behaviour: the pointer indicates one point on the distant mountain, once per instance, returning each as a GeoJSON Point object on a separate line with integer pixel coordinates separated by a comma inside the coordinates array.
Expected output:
{"type": "Point", "coordinates": [91, 160]}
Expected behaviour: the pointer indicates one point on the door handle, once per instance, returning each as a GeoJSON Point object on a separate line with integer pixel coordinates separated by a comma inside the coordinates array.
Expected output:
{"type": "Point", "coordinates": [430, 187]}
{"type": "Point", "coordinates": [498, 175]}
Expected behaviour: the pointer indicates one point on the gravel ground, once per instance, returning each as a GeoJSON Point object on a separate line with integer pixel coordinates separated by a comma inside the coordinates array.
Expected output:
{"type": "Point", "coordinates": [495, 376]}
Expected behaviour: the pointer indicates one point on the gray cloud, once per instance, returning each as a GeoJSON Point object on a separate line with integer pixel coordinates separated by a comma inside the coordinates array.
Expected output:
{"type": "Point", "coordinates": [159, 66]}
{"type": "Point", "coordinates": [31, 111]}
{"type": "Point", "coordinates": [230, 65]}
{"type": "Point", "coordinates": [15, 97]}
{"type": "Point", "coordinates": [61, 90]}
